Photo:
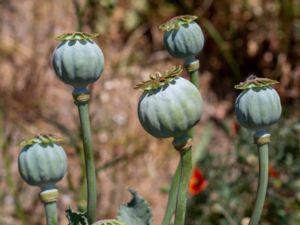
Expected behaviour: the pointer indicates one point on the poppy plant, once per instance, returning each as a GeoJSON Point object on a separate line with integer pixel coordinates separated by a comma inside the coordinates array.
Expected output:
{"type": "Point", "coordinates": [197, 182]}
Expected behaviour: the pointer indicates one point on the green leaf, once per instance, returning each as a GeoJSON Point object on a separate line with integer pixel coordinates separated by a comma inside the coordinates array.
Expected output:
{"type": "Point", "coordinates": [76, 218]}
{"type": "Point", "coordinates": [135, 212]}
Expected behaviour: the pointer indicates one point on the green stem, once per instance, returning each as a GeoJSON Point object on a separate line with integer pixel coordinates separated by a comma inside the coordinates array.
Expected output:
{"type": "Point", "coordinates": [263, 180]}
{"type": "Point", "coordinates": [81, 98]}
{"type": "Point", "coordinates": [192, 66]}
{"type": "Point", "coordinates": [183, 184]}
{"type": "Point", "coordinates": [51, 213]}
{"type": "Point", "coordinates": [172, 196]}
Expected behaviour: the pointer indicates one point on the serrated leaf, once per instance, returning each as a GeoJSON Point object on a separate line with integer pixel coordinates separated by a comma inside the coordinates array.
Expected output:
{"type": "Point", "coordinates": [135, 212]}
{"type": "Point", "coordinates": [108, 222]}
{"type": "Point", "coordinates": [76, 218]}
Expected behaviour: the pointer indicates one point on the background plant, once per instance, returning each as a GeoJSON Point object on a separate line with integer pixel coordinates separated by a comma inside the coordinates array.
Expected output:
{"type": "Point", "coordinates": [260, 37]}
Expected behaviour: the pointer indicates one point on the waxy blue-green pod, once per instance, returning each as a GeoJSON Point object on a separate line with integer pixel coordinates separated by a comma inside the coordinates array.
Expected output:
{"type": "Point", "coordinates": [42, 162]}
{"type": "Point", "coordinates": [183, 37]}
{"type": "Point", "coordinates": [77, 60]}
{"type": "Point", "coordinates": [258, 105]}
{"type": "Point", "coordinates": [170, 105]}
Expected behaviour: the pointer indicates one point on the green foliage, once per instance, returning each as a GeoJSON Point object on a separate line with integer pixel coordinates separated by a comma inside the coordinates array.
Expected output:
{"type": "Point", "coordinates": [76, 218]}
{"type": "Point", "coordinates": [135, 212]}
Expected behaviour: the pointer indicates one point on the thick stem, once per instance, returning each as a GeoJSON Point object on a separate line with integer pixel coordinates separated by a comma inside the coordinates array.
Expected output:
{"type": "Point", "coordinates": [81, 98]}
{"type": "Point", "coordinates": [49, 197]}
{"type": "Point", "coordinates": [183, 144]}
{"type": "Point", "coordinates": [51, 213]}
{"type": "Point", "coordinates": [262, 139]}
{"type": "Point", "coordinates": [183, 184]}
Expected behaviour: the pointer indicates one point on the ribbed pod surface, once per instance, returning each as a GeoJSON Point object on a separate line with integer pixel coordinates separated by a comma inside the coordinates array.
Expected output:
{"type": "Point", "coordinates": [258, 108]}
{"type": "Point", "coordinates": [185, 42]}
{"type": "Point", "coordinates": [42, 165]}
{"type": "Point", "coordinates": [170, 110]}
{"type": "Point", "coordinates": [78, 62]}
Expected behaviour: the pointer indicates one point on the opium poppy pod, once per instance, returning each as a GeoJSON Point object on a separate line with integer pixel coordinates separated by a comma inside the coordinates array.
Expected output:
{"type": "Point", "coordinates": [183, 37]}
{"type": "Point", "coordinates": [170, 105]}
{"type": "Point", "coordinates": [42, 162]}
{"type": "Point", "coordinates": [78, 60]}
{"type": "Point", "coordinates": [258, 105]}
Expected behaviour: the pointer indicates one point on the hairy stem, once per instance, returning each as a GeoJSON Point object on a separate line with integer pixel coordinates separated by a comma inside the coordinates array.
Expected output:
{"type": "Point", "coordinates": [262, 147]}
{"type": "Point", "coordinates": [81, 99]}
{"type": "Point", "coordinates": [51, 213]}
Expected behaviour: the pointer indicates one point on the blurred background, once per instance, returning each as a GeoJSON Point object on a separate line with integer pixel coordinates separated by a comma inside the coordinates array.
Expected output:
{"type": "Point", "coordinates": [243, 37]}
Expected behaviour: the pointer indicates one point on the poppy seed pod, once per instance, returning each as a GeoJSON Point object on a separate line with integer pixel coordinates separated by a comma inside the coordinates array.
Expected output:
{"type": "Point", "coordinates": [183, 37]}
{"type": "Point", "coordinates": [258, 105]}
{"type": "Point", "coordinates": [42, 162]}
{"type": "Point", "coordinates": [170, 105]}
{"type": "Point", "coordinates": [78, 60]}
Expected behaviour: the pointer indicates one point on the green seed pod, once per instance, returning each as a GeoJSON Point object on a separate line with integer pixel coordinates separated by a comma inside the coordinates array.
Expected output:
{"type": "Point", "coordinates": [42, 162]}
{"type": "Point", "coordinates": [77, 60]}
{"type": "Point", "coordinates": [170, 105]}
{"type": "Point", "coordinates": [258, 106]}
{"type": "Point", "coordinates": [183, 38]}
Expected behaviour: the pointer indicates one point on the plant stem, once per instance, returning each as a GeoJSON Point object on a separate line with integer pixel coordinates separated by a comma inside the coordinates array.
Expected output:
{"type": "Point", "coordinates": [192, 66]}
{"type": "Point", "coordinates": [183, 184]}
{"type": "Point", "coordinates": [262, 138]}
{"type": "Point", "coordinates": [48, 196]}
{"type": "Point", "coordinates": [81, 97]}
{"type": "Point", "coordinates": [171, 205]}
{"type": "Point", "coordinates": [51, 213]}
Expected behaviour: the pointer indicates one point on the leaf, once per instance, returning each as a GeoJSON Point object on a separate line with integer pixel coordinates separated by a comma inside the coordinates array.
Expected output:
{"type": "Point", "coordinates": [76, 218]}
{"type": "Point", "coordinates": [135, 212]}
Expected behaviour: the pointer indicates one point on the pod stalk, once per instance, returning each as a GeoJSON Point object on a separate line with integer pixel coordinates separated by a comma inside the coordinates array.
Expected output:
{"type": "Point", "coordinates": [261, 139]}
{"type": "Point", "coordinates": [49, 198]}
{"type": "Point", "coordinates": [81, 98]}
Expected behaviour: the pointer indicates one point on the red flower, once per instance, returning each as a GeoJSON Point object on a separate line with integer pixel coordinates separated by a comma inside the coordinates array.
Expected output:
{"type": "Point", "coordinates": [273, 172]}
{"type": "Point", "coordinates": [197, 182]}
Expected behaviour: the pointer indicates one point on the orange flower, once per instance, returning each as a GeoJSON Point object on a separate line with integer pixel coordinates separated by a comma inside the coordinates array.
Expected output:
{"type": "Point", "coordinates": [197, 182]}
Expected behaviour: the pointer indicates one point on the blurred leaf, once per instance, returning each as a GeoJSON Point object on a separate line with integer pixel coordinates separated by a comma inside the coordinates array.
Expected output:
{"type": "Point", "coordinates": [213, 32]}
{"type": "Point", "coordinates": [135, 212]}
{"type": "Point", "coordinates": [201, 146]}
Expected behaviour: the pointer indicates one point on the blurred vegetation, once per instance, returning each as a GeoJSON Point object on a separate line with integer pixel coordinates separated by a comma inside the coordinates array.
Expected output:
{"type": "Point", "coordinates": [242, 37]}
{"type": "Point", "coordinates": [232, 179]}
